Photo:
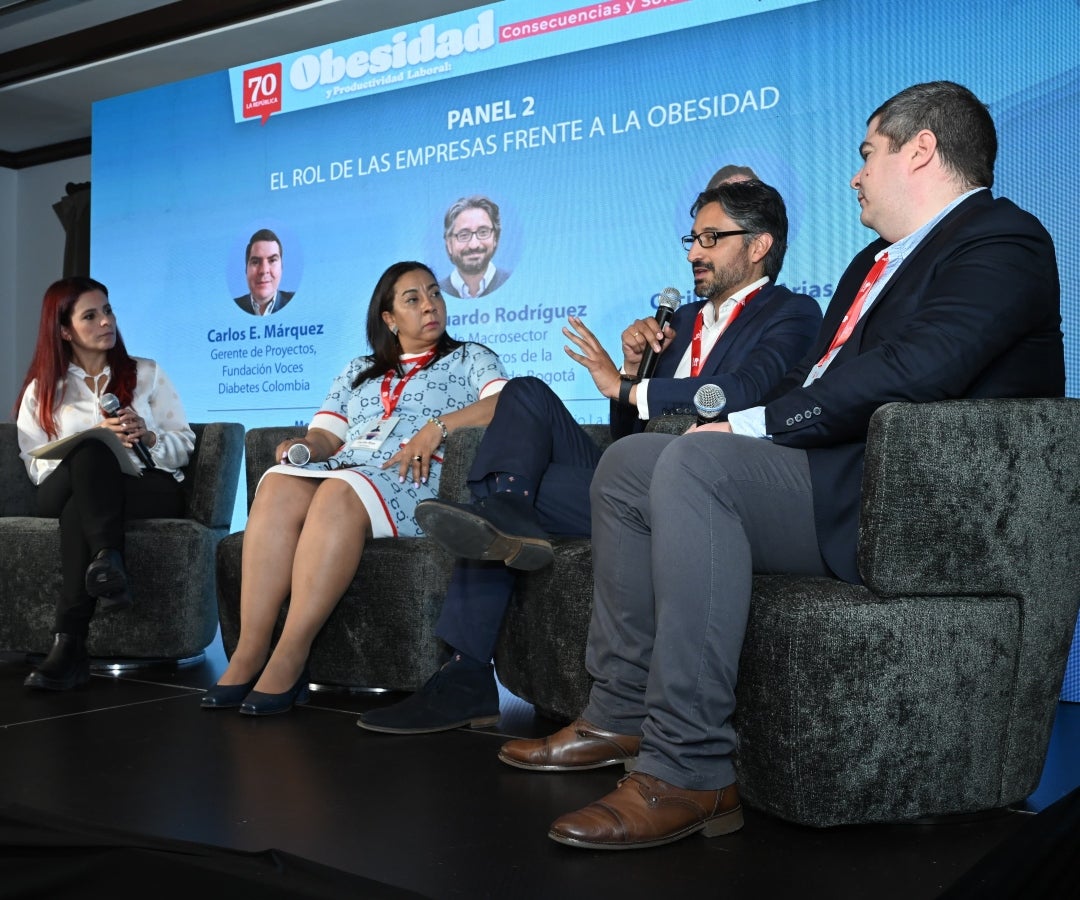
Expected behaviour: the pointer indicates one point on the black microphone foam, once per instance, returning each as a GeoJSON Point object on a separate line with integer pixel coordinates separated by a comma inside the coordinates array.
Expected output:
{"type": "Point", "coordinates": [709, 401]}
{"type": "Point", "coordinates": [669, 301]}
{"type": "Point", "coordinates": [110, 405]}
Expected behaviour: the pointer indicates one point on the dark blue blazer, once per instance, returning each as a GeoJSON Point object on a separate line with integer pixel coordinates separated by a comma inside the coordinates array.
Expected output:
{"type": "Point", "coordinates": [973, 312]}
{"type": "Point", "coordinates": [750, 358]}
{"type": "Point", "coordinates": [283, 297]}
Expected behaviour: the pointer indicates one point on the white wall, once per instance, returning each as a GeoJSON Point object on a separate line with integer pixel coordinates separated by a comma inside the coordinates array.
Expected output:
{"type": "Point", "coordinates": [31, 258]}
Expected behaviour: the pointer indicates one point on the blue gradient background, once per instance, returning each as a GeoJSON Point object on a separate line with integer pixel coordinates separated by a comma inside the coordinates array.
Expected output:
{"type": "Point", "coordinates": [179, 186]}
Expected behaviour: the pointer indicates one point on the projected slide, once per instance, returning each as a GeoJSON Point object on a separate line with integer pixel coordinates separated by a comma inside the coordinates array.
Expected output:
{"type": "Point", "coordinates": [542, 157]}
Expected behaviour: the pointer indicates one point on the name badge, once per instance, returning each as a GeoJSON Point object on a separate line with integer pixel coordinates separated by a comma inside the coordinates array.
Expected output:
{"type": "Point", "coordinates": [375, 432]}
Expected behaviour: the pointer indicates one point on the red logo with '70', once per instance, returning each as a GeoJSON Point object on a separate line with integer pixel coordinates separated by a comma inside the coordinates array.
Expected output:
{"type": "Point", "coordinates": [262, 91]}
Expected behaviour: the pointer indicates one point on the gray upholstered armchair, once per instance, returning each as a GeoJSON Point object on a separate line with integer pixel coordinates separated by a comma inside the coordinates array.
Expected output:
{"type": "Point", "coordinates": [170, 561]}
{"type": "Point", "coordinates": [382, 633]}
{"type": "Point", "coordinates": [929, 691]}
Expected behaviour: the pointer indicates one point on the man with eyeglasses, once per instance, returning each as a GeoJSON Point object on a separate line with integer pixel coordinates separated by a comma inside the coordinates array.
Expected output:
{"type": "Point", "coordinates": [471, 229]}
{"type": "Point", "coordinates": [530, 478]}
{"type": "Point", "coordinates": [957, 298]}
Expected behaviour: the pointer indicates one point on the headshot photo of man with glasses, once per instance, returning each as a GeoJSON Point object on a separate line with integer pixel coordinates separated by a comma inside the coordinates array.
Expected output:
{"type": "Point", "coordinates": [471, 229]}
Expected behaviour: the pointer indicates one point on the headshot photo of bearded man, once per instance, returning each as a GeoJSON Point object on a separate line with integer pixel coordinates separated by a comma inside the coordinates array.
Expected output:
{"type": "Point", "coordinates": [471, 230]}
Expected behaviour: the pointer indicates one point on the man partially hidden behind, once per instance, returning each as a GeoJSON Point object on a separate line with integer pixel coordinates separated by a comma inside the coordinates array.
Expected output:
{"type": "Point", "coordinates": [959, 298]}
{"type": "Point", "coordinates": [262, 259]}
{"type": "Point", "coordinates": [471, 229]}
{"type": "Point", "coordinates": [532, 470]}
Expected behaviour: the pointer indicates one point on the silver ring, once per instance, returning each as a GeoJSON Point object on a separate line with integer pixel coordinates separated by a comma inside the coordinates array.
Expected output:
{"type": "Point", "coordinates": [418, 458]}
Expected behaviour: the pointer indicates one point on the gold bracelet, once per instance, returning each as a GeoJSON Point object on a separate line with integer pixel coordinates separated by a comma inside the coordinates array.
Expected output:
{"type": "Point", "coordinates": [435, 420]}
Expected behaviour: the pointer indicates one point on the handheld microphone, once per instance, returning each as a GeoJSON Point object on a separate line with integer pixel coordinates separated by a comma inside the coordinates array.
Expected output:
{"type": "Point", "coordinates": [110, 404]}
{"type": "Point", "coordinates": [669, 301]}
{"type": "Point", "coordinates": [298, 455]}
{"type": "Point", "coordinates": [709, 401]}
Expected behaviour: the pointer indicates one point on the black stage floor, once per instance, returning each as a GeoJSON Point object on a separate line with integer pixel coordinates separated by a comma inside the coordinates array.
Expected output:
{"type": "Point", "coordinates": [132, 763]}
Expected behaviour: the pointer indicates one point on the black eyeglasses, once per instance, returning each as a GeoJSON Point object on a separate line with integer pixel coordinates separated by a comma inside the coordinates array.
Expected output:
{"type": "Point", "coordinates": [708, 239]}
{"type": "Point", "coordinates": [466, 235]}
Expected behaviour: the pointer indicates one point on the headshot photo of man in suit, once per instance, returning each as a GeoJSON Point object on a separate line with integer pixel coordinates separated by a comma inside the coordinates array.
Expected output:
{"type": "Point", "coordinates": [262, 260]}
{"type": "Point", "coordinates": [471, 229]}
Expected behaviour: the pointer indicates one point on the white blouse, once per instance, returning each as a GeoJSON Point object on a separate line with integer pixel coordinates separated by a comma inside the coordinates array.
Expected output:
{"type": "Point", "coordinates": [155, 400]}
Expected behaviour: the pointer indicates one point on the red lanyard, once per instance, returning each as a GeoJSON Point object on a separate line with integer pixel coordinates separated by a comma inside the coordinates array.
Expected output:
{"type": "Point", "coordinates": [390, 399]}
{"type": "Point", "coordinates": [696, 362]}
{"type": "Point", "coordinates": [851, 317]}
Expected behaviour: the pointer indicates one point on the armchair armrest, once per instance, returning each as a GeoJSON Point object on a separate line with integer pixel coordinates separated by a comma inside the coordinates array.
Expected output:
{"type": "Point", "coordinates": [669, 424]}
{"type": "Point", "coordinates": [212, 475]}
{"type": "Point", "coordinates": [970, 497]}
{"type": "Point", "coordinates": [259, 451]}
{"type": "Point", "coordinates": [458, 454]}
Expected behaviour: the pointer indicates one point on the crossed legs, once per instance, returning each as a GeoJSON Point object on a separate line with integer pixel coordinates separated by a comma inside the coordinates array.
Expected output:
{"type": "Point", "coordinates": [304, 539]}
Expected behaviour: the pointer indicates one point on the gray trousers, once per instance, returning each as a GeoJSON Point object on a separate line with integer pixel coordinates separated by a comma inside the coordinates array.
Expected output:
{"type": "Point", "coordinates": [680, 524]}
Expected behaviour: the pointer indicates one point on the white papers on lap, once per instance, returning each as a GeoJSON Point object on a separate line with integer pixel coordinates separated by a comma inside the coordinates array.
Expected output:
{"type": "Point", "coordinates": [60, 448]}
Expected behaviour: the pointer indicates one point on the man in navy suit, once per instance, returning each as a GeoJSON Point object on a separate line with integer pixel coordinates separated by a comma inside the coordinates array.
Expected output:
{"type": "Point", "coordinates": [958, 298]}
{"type": "Point", "coordinates": [534, 465]}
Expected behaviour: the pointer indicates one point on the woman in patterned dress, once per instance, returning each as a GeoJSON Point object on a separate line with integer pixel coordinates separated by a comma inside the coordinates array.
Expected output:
{"type": "Point", "coordinates": [374, 454]}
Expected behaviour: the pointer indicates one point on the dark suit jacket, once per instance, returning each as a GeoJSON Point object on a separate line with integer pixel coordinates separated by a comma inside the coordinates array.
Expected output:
{"type": "Point", "coordinates": [973, 312]}
{"type": "Point", "coordinates": [750, 358]}
{"type": "Point", "coordinates": [283, 298]}
{"type": "Point", "coordinates": [447, 287]}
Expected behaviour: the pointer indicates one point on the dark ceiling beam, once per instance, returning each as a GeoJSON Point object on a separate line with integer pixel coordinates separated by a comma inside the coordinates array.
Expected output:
{"type": "Point", "coordinates": [130, 34]}
{"type": "Point", "coordinates": [38, 156]}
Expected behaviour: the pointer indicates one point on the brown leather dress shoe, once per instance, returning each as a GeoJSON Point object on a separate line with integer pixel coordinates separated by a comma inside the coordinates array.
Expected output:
{"type": "Point", "coordinates": [644, 811]}
{"type": "Point", "coordinates": [578, 746]}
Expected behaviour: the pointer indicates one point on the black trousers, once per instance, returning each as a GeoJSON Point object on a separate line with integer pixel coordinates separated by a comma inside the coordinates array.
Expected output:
{"type": "Point", "coordinates": [93, 499]}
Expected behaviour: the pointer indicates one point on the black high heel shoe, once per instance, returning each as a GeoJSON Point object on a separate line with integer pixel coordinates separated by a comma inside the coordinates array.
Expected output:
{"type": "Point", "coordinates": [259, 704]}
{"type": "Point", "coordinates": [227, 696]}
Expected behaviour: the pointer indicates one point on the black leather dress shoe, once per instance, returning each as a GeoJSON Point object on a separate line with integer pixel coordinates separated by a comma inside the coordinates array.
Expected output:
{"type": "Point", "coordinates": [106, 579]}
{"type": "Point", "coordinates": [497, 527]}
{"type": "Point", "coordinates": [66, 666]}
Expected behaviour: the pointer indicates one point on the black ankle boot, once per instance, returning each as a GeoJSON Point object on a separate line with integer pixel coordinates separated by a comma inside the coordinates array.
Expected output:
{"type": "Point", "coordinates": [463, 692]}
{"type": "Point", "coordinates": [106, 579]}
{"type": "Point", "coordinates": [500, 526]}
{"type": "Point", "coordinates": [66, 666]}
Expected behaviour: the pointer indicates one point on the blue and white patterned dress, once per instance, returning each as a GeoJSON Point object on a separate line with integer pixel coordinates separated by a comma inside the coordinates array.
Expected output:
{"type": "Point", "coordinates": [469, 373]}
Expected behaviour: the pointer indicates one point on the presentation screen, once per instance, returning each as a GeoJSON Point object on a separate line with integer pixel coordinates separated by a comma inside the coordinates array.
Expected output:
{"type": "Point", "coordinates": [587, 129]}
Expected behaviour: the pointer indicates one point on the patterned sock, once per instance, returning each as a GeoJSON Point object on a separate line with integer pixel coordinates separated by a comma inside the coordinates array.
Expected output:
{"type": "Point", "coordinates": [509, 483]}
{"type": "Point", "coordinates": [464, 661]}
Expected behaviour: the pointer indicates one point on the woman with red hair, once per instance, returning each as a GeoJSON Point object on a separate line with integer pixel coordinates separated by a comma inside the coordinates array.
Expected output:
{"type": "Point", "coordinates": [78, 359]}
